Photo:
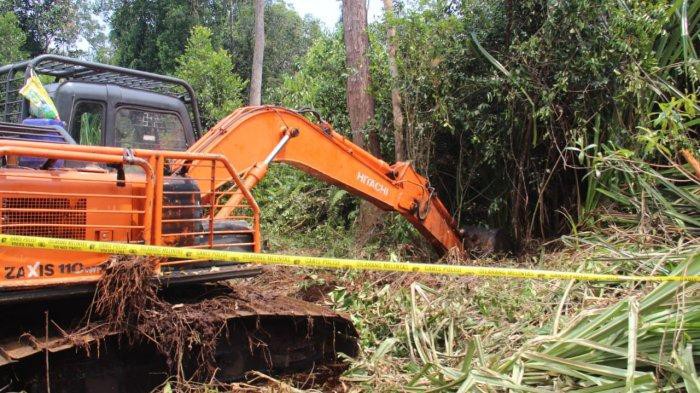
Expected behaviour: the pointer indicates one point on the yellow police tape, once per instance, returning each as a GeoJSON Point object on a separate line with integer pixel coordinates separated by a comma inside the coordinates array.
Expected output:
{"type": "Point", "coordinates": [317, 262]}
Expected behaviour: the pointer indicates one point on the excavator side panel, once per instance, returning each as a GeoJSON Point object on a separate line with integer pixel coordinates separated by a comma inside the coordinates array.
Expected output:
{"type": "Point", "coordinates": [66, 204]}
{"type": "Point", "coordinates": [140, 202]}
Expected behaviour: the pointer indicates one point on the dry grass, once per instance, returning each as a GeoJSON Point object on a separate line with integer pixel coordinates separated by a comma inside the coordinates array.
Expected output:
{"type": "Point", "coordinates": [493, 335]}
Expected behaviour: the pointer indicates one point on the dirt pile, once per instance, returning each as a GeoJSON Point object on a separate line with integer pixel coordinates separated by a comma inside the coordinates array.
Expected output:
{"type": "Point", "coordinates": [212, 333]}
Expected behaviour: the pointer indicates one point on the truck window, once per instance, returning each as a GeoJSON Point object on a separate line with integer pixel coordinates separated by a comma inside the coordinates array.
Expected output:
{"type": "Point", "coordinates": [144, 129]}
{"type": "Point", "coordinates": [88, 120]}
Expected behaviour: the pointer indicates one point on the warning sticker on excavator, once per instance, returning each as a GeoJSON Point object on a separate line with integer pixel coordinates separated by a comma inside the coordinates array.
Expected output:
{"type": "Point", "coordinates": [321, 262]}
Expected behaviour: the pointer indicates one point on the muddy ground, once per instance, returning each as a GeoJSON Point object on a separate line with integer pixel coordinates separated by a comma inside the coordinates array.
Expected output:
{"type": "Point", "coordinates": [170, 337]}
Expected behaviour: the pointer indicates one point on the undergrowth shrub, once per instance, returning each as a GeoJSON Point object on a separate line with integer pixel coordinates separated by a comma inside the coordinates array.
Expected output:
{"type": "Point", "coordinates": [495, 93]}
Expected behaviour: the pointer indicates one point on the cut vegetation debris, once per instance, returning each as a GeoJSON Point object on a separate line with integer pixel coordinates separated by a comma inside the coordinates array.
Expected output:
{"type": "Point", "coordinates": [597, 339]}
{"type": "Point", "coordinates": [499, 335]}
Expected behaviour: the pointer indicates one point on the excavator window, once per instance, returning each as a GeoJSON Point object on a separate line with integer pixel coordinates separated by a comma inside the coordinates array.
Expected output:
{"type": "Point", "coordinates": [88, 123]}
{"type": "Point", "coordinates": [141, 128]}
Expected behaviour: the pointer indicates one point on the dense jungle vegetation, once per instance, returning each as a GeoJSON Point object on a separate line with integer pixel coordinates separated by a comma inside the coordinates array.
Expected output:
{"type": "Point", "coordinates": [571, 124]}
{"type": "Point", "coordinates": [508, 105]}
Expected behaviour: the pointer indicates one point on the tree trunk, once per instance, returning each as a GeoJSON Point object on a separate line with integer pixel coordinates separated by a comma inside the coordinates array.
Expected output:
{"type": "Point", "coordinates": [258, 51]}
{"type": "Point", "coordinates": [399, 144]}
{"type": "Point", "coordinates": [509, 22]}
{"type": "Point", "coordinates": [360, 102]}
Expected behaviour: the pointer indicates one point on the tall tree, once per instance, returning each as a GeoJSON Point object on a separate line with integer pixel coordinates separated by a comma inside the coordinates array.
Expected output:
{"type": "Point", "coordinates": [399, 144]}
{"type": "Point", "coordinates": [258, 53]}
{"type": "Point", "coordinates": [360, 101]}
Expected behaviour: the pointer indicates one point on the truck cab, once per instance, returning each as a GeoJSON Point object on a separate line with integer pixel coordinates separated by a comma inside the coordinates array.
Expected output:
{"type": "Point", "coordinates": [105, 105]}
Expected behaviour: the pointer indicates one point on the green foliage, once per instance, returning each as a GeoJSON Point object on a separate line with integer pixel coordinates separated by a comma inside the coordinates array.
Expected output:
{"type": "Point", "coordinates": [151, 34]}
{"type": "Point", "coordinates": [614, 347]}
{"type": "Point", "coordinates": [90, 129]}
{"type": "Point", "coordinates": [320, 82]}
{"type": "Point", "coordinates": [303, 215]}
{"type": "Point", "coordinates": [508, 104]}
{"type": "Point", "coordinates": [366, 307]}
{"type": "Point", "coordinates": [287, 38]}
{"type": "Point", "coordinates": [208, 70]}
{"type": "Point", "coordinates": [13, 38]}
{"type": "Point", "coordinates": [53, 26]}
{"type": "Point", "coordinates": [318, 215]}
{"type": "Point", "coordinates": [661, 201]}
{"type": "Point", "coordinates": [531, 336]}
{"type": "Point", "coordinates": [672, 126]}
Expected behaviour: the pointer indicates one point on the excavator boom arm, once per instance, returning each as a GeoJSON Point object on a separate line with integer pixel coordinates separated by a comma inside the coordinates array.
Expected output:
{"type": "Point", "coordinates": [252, 137]}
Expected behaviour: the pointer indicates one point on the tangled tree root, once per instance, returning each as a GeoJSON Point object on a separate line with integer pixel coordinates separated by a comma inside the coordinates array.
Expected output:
{"type": "Point", "coordinates": [126, 300]}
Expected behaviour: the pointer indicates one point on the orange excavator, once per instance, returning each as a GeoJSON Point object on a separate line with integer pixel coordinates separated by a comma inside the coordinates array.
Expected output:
{"type": "Point", "coordinates": [177, 192]}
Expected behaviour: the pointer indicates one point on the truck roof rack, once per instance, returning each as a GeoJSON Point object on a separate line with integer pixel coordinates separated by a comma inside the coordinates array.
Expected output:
{"type": "Point", "coordinates": [12, 78]}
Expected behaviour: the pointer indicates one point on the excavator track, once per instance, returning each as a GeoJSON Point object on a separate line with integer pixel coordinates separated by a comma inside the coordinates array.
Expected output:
{"type": "Point", "coordinates": [263, 332]}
